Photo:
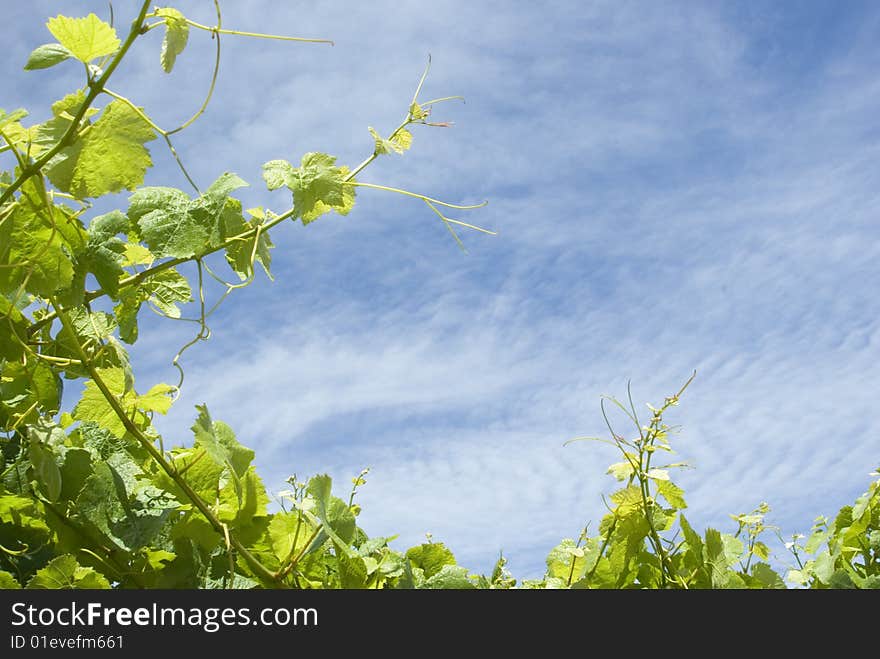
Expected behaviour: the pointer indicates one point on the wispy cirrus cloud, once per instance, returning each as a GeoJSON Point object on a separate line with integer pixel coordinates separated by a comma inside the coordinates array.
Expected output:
{"type": "Point", "coordinates": [676, 187]}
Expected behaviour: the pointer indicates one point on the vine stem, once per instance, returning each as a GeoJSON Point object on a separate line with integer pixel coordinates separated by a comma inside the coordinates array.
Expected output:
{"type": "Point", "coordinates": [605, 541]}
{"type": "Point", "coordinates": [416, 195]}
{"type": "Point", "coordinates": [171, 263]}
{"type": "Point", "coordinates": [259, 569]}
{"type": "Point", "coordinates": [666, 574]}
{"type": "Point", "coordinates": [258, 35]}
{"type": "Point", "coordinates": [282, 573]}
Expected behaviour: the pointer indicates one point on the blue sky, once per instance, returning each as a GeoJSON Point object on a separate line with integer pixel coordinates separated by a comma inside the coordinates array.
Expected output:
{"type": "Point", "coordinates": [692, 185]}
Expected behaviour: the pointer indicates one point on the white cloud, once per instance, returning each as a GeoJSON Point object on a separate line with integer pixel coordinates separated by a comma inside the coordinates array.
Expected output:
{"type": "Point", "coordinates": [669, 196]}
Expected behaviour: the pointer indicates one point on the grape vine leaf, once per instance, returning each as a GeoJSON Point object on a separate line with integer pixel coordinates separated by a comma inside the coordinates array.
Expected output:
{"type": "Point", "coordinates": [430, 557]}
{"type": "Point", "coordinates": [110, 157]}
{"type": "Point", "coordinates": [288, 533]}
{"type": "Point", "coordinates": [137, 254]}
{"type": "Point", "coordinates": [104, 252]}
{"type": "Point", "coordinates": [448, 578]}
{"type": "Point", "coordinates": [123, 506]}
{"type": "Point", "coordinates": [46, 470]}
{"type": "Point", "coordinates": [65, 572]}
{"type": "Point", "coordinates": [336, 517]}
{"type": "Point", "coordinates": [673, 494]}
{"type": "Point", "coordinates": [766, 576]}
{"type": "Point", "coordinates": [26, 390]}
{"type": "Point", "coordinates": [23, 514]}
{"type": "Point", "coordinates": [48, 133]}
{"type": "Point", "coordinates": [714, 558]}
{"type": "Point", "coordinates": [201, 473]}
{"type": "Point", "coordinates": [86, 38]}
{"type": "Point", "coordinates": [95, 326]}
{"type": "Point", "coordinates": [318, 185]}
{"type": "Point", "coordinates": [215, 196]}
{"type": "Point", "coordinates": [75, 470]}
{"type": "Point", "coordinates": [13, 329]}
{"type": "Point", "coordinates": [176, 36]}
{"type": "Point", "coordinates": [628, 500]}
{"type": "Point", "coordinates": [402, 140]}
{"type": "Point", "coordinates": [351, 570]}
{"type": "Point", "coordinates": [242, 500]}
{"type": "Point", "coordinates": [94, 407]}
{"type": "Point", "coordinates": [33, 247]}
{"type": "Point", "coordinates": [46, 56]}
{"type": "Point", "coordinates": [8, 582]}
{"type": "Point", "coordinates": [417, 112]}
{"type": "Point", "coordinates": [174, 225]}
{"type": "Point", "coordinates": [620, 470]}
{"type": "Point", "coordinates": [566, 560]}
{"type": "Point", "coordinates": [165, 289]}
{"type": "Point", "coordinates": [220, 443]}
{"type": "Point", "coordinates": [203, 429]}
{"type": "Point", "coordinates": [13, 133]}
{"type": "Point", "coordinates": [8, 118]}
{"type": "Point", "coordinates": [399, 142]}
{"type": "Point", "coordinates": [162, 214]}
{"type": "Point", "coordinates": [238, 253]}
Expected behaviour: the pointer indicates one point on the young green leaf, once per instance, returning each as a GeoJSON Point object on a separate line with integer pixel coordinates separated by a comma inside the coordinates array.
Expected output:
{"type": "Point", "coordinates": [86, 38]}
{"type": "Point", "coordinates": [288, 533]}
{"type": "Point", "coordinates": [46, 471]}
{"type": "Point", "coordinates": [110, 157]}
{"type": "Point", "coordinates": [398, 143]}
{"type": "Point", "coordinates": [26, 391]}
{"type": "Point", "coordinates": [417, 112]}
{"type": "Point", "coordinates": [620, 470]}
{"type": "Point", "coordinates": [430, 557]}
{"type": "Point", "coordinates": [351, 569]}
{"type": "Point", "coordinates": [75, 470]}
{"type": "Point", "coordinates": [336, 517]}
{"type": "Point", "coordinates": [176, 35]}
{"type": "Point", "coordinates": [203, 429]}
{"type": "Point", "coordinates": [673, 494]}
{"type": "Point", "coordinates": [89, 326]}
{"type": "Point", "coordinates": [47, 134]}
{"type": "Point", "coordinates": [657, 474]}
{"type": "Point", "coordinates": [8, 582]}
{"type": "Point", "coordinates": [33, 249]}
{"type": "Point", "coordinates": [401, 140]}
{"type": "Point", "coordinates": [46, 56]}
{"type": "Point", "coordinates": [104, 253]}
{"type": "Point", "coordinates": [318, 185]}
{"type": "Point", "coordinates": [174, 225]}
{"type": "Point", "coordinates": [162, 215]}
{"type": "Point", "coordinates": [566, 560]}
{"type": "Point", "coordinates": [238, 253]}
{"type": "Point", "coordinates": [628, 499]}
{"type": "Point", "coordinates": [117, 502]}
{"type": "Point", "coordinates": [13, 329]}
{"type": "Point", "coordinates": [450, 577]}
{"type": "Point", "coordinates": [92, 406]}
{"type": "Point", "coordinates": [8, 118]}
{"type": "Point", "coordinates": [278, 173]}
{"type": "Point", "coordinates": [242, 501]}
{"type": "Point", "coordinates": [166, 289]}
{"type": "Point", "coordinates": [766, 576]}
{"type": "Point", "coordinates": [64, 572]}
